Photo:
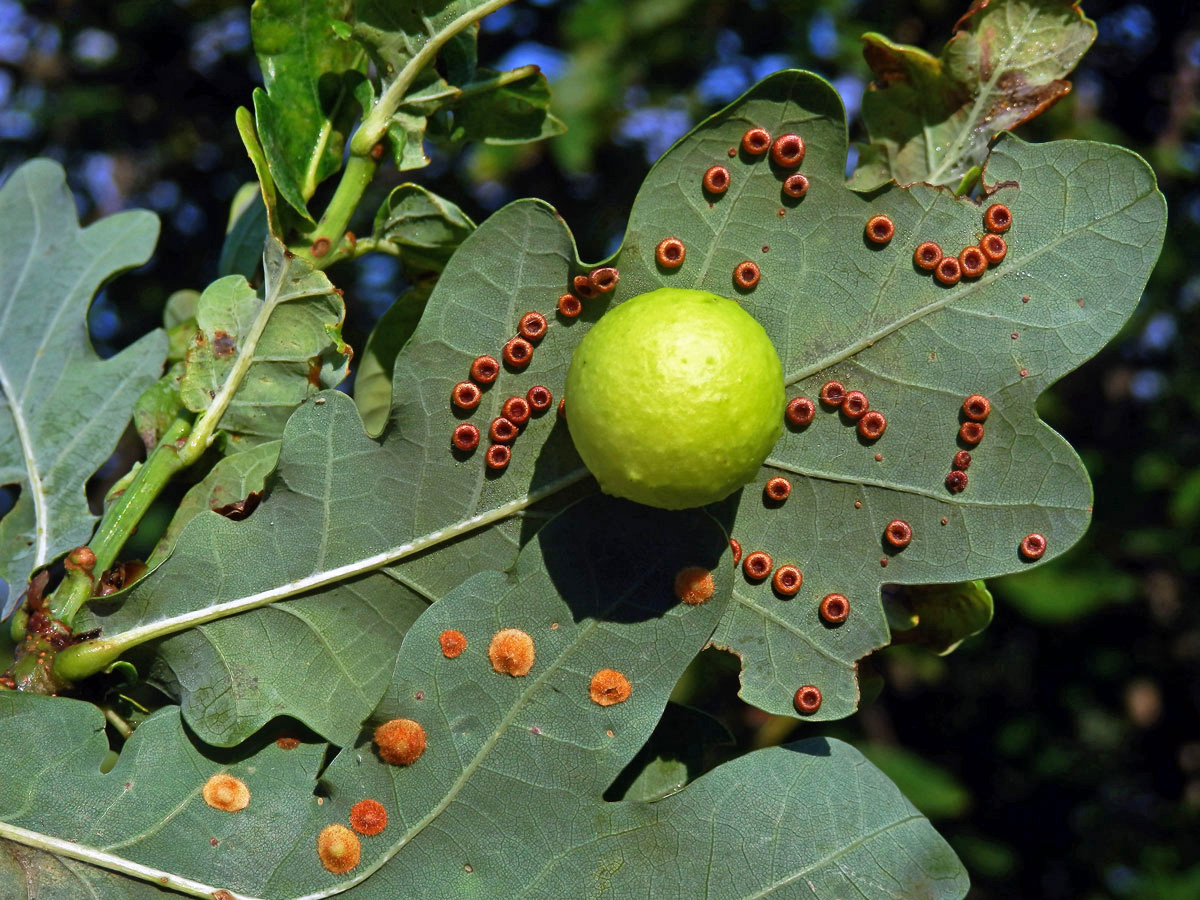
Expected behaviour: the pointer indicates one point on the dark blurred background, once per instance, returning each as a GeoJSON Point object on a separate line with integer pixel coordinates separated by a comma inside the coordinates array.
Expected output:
{"type": "Point", "coordinates": [1059, 751]}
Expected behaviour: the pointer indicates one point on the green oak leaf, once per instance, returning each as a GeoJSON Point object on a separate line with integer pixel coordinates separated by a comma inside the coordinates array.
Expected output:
{"type": "Point", "coordinates": [310, 77]}
{"type": "Point", "coordinates": [684, 745]}
{"type": "Point", "coordinates": [516, 113]}
{"type": "Point", "coordinates": [1088, 224]}
{"type": "Point", "coordinates": [373, 377]}
{"type": "Point", "coordinates": [262, 356]}
{"type": "Point", "coordinates": [931, 118]}
{"type": "Point", "coordinates": [421, 228]}
{"type": "Point", "coordinates": [241, 252]}
{"type": "Point", "coordinates": [158, 406]}
{"type": "Point", "coordinates": [943, 615]}
{"type": "Point", "coordinates": [45, 876]}
{"type": "Point", "coordinates": [506, 799]}
{"type": "Point", "coordinates": [62, 408]}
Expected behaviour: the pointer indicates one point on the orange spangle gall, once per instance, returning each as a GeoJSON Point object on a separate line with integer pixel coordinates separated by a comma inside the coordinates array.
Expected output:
{"type": "Point", "coordinates": [502, 430]}
{"type": "Point", "coordinates": [539, 398]}
{"type": "Point", "coordinates": [400, 741]}
{"type": "Point", "coordinates": [855, 405]}
{"type": "Point", "coordinates": [956, 481]}
{"type": "Point", "coordinates": [787, 580]}
{"type": "Point", "coordinates": [994, 248]}
{"type": "Point", "coordinates": [756, 141]}
{"type": "Point", "coordinates": [569, 306]}
{"type": "Point", "coordinates": [605, 279]}
{"type": "Point", "coordinates": [694, 585]}
{"type": "Point", "coordinates": [484, 369]}
{"type": "Point", "coordinates": [997, 219]}
{"type": "Point", "coordinates": [465, 395]}
{"type": "Point", "coordinates": [338, 849]}
{"type": "Point", "coordinates": [795, 186]}
{"type": "Point", "coordinates": [746, 275]}
{"type": "Point", "coordinates": [787, 151]}
{"type": "Point", "coordinates": [716, 180]}
{"type": "Point", "coordinates": [368, 817]}
{"type": "Point", "coordinates": [948, 271]}
{"type": "Point", "coordinates": [609, 687]}
{"type": "Point", "coordinates": [807, 699]}
{"type": "Point", "coordinates": [832, 393]}
{"type": "Point", "coordinates": [1033, 546]}
{"type": "Point", "coordinates": [532, 326]}
{"type": "Point", "coordinates": [872, 425]}
{"type": "Point", "coordinates": [834, 608]}
{"type": "Point", "coordinates": [962, 460]}
{"type": "Point", "coordinates": [584, 287]}
{"type": "Point", "coordinates": [465, 437]}
{"type": "Point", "coordinates": [880, 229]}
{"type": "Point", "coordinates": [670, 253]}
{"type": "Point", "coordinates": [498, 456]}
{"type": "Point", "coordinates": [736, 547]}
{"type": "Point", "coordinates": [970, 433]}
{"type": "Point", "coordinates": [511, 652]}
{"type": "Point", "coordinates": [518, 352]}
{"type": "Point", "coordinates": [977, 408]}
{"type": "Point", "coordinates": [516, 410]}
{"type": "Point", "coordinates": [927, 255]}
{"type": "Point", "coordinates": [226, 793]}
{"type": "Point", "coordinates": [898, 534]}
{"type": "Point", "coordinates": [777, 489]}
{"type": "Point", "coordinates": [757, 565]}
{"type": "Point", "coordinates": [973, 262]}
{"type": "Point", "coordinates": [453, 643]}
{"type": "Point", "coordinates": [800, 411]}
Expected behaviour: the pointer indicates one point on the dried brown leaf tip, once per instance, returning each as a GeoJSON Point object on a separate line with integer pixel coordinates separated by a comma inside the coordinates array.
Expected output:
{"type": "Point", "coordinates": [787, 580]}
{"type": "Point", "coordinates": [757, 565]}
{"type": "Point", "coordinates": [1033, 546]}
{"type": "Point", "coordinates": [787, 151]}
{"type": "Point", "coordinates": [226, 793]}
{"type": "Point", "coordinates": [400, 741]}
{"type": "Point", "coordinates": [465, 395]}
{"type": "Point", "coordinates": [338, 849]}
{"type": "Point", "coordinates": [569, 306]}
{"type": "Point", "coordinates": [746, 275]}
{"type": "Point", "coordinates": [855, 405]}
{"type": "Point", "coordinates": [484, 369]}
{"type": "Point", "coordinates": [832, 393]}
{"type": "Point", "coordinates": [368, 817]}
{"type": "Point", "coordinates": [777, 489]}
{"type": "Point", "coordinates": [800, 411]}
{"type": "Point", "coordinates": [694, 585]}
{"type": "Point", "coordinates": [498, 456]}
{"type": "Point", "coordinates": [716, 180]}
{"type": "Point", "coordinates": [465, 437]}
{"type": "Point", "coordinates": [927, 255]}
{"type": "Point", "coordinates": [609, 687]}
{"type": "Point", "coordinates": [453, 643]}
{"type": "Point", "coordinates": [807, 699]}
{"type": "Point", "coordinates": [670, 253]}
{"type": "Point", "coordinates": [872, 425]}
{"type": "Point", "coordinates": [972, 261]}
{"type": "Point", "coordinates": [994, 248]}
{"type": "Point", "coordinates": [997, 219]}
{"type": "Point", "coordinates": [948, 271]}
{"type": "Point", "coordinates": [532, 326]}
{"type": "Point", "coordinates": [834, 608]}
{"type": "Point", "coordinates": [511, 652]}
{"type": "Point", "coordinates": [795, 186]}
{"type": "Point", "coordinates": [898, 534]}
{"type": "Point", "coordinates": [756, 141]}
{"type": "Point", "coordinates": [880, 229]}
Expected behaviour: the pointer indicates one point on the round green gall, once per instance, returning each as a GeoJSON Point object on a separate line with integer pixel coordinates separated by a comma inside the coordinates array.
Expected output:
{"type": "Point", "coordinates": [675, 398]}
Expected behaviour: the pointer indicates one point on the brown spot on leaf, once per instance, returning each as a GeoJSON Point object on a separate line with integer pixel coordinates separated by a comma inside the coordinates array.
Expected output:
{"type": "Point", "coordinates": [223, 343]}
{"type": "Point", "coordinates": [314, 372]}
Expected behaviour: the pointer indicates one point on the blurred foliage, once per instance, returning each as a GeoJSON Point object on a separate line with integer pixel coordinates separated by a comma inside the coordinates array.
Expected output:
{"type": "Point", "coordinates": [1061, 744]}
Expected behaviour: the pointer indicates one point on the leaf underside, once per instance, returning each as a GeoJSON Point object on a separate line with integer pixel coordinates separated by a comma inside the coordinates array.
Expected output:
{"type": "Point", "coordinates": [62, 408]}
{"type": "Point", "coordinates": [506, 798]}
{"type": "Point", "coordinates": [1088, 224]}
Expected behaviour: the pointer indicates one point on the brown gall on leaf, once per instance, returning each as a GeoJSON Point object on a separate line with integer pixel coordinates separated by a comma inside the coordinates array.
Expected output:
{"type": "Point", "coordinates": [584, 287]}
{"type": "Point", "coordinates": [319, 247]}
{"type": "Point", "coordinates": [962, 460]}
{"type": "Point", "coordinates": [465, 437]}
{"type": "Point", "coordinates": [222, 894]}
{"type": "Point", "coordinates": [872, 425]}
{"type": "Point", "coordinates": [994, 248]}
{"type": "Point", "coordinates": [314, 372]}
{"type": "Point", "coordinates": [927, 255]}
{"type": "Point", "coordinates": [368, 817]}
{"type": "Point", "coordinates": [539, 398]}
{"type": "Point", "coordinates": [516, 410]}
{"type": "Point", "coordinates": [834, 609]}
{"type": "Point", "coordinates": [800, 411]}
{"type": "Point", "coordinates": [970, 433]}
{"type": "Point", "coordinates": [453, 643]}
{"type": "Point", "coordinates": [807, 699]}
{"type": "Point", "coordinates": [898, 534]}
{"type": "Point", "coordinates": [787, 151]}
{"type": "Point", "coordinates": [833, 393]}
{"type": "Point", "coordinates": [694, 585]}
{"type": "Point", "coordinates": [518, 352]}
{"type": "Point", "coordinates": [484, 370]}
{"type": "Point", "coordinates": [972, 261]}
{"type": "Point", "coordinates": [400, 741]}
{"type": "Point", "coordinates": [949, 271]}
{"type": "Point", "coordinates": [511, 652]}
{"type": "Point", "coordinates": [756, 141]}
{"type": "Point", "coordinates": [569, 306]}
{"type": "Point", "coordinates": [736, 547]}
{"type": "Point", "coordinates": [777, 489]}
{"type": "Point", "coordinates": [795, 186]}
{"type": "Point", "coordinates": [1033, 546]}
{"type": "Point", "coordinates": [716, 180]}
{"type": "Point", "coordinates": [502, 430]}
{"type": "Point", "coordinates": [757, 565]}
{"type": "Point", "coordinates": [787, 581]}
{"type": "Point", "coordinates": [746, 275]}
{"type": "Point", "coordinates": [338, 849]}
{"type": "Point", "coordinates": [226, 793]}
{"type": "Point", "coordinates": [466, 395]}
{"type": "Point", "coordinates": [285, 742]}
{"type": "Point", "coordinates": [605, 279]}
{"type": "Point", "coordinates": [81, 559]}
{"type": "Point", "coordinates": [240, 509]}
{"type": "Point", "coordinates": [977, 408]}
{"type": "Point", "coordinates": [223, 343]}
{"type": "Point", "coordinates": [855, 405]}
{"type": "Point", "coordinates": [997, 219]}
{"type": "Point", "coordinates": [956, 482]}
{"type": "Point", "coordinates": [609, 687]}
{"type": "Point", "coordinates": [879, 229]}
{"type": "Point", "coordinates": [532, 326]}
{"type": "Point", "coordinates": [670, 253]}
{"type": "Point", "coordinates": [498, 457]}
